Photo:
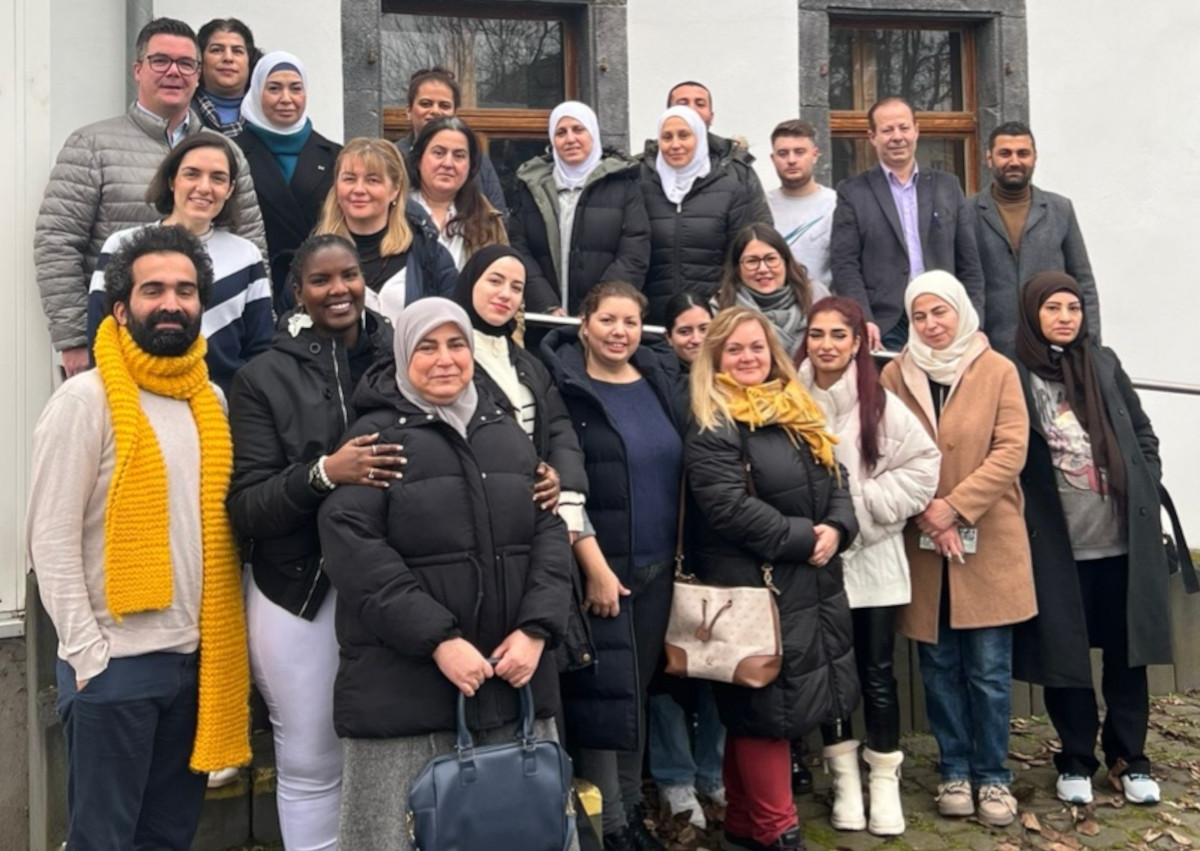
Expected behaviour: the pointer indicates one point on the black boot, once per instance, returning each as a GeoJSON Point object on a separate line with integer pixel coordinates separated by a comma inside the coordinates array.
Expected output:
{"type": "Point", "coordinates": [622, 840]}
{"type": "Point", "coordinates": [802, 779]}
{"type": "Point", "coordinates": [643, 839]}
{"type": "Point", "coordinates": [793, 840]}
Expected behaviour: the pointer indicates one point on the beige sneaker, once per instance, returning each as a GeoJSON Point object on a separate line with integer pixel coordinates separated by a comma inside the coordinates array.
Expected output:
{"type": "Point", "coordinates": [954, 799]}
{"type": "Point", "coordinates": [997, 806]}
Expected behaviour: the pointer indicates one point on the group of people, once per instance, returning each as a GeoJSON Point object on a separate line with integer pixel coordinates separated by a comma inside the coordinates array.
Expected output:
{"type": "Point", "coordinates": [315, 453]}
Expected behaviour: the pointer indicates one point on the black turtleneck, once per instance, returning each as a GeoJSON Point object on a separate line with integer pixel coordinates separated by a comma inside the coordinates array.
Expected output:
{"type": "Point", "coordinates": [375, 268]}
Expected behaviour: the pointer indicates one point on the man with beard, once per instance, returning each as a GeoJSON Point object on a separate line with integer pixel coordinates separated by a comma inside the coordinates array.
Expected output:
{"type": "Point", "coordinates": [1023, 230]}
{"type": "Point", "coordinates": [136, 561]}
{"type": "Point", "coordinates": [896, 221]}
{"type": "Point", "coordinates": [803, 208]}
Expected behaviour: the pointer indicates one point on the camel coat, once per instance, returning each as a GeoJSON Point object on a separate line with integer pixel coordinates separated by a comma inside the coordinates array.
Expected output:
{"type": "Point", "coordinates": [983, 435]}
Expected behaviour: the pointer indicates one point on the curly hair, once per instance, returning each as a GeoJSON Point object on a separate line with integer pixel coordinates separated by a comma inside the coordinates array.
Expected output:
{"type": "Point", "coordinates": [154, 239]}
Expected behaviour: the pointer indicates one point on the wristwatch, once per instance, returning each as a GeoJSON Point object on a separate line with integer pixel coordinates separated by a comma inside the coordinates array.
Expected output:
{"type": "Point", "coordinates": [317, 479]}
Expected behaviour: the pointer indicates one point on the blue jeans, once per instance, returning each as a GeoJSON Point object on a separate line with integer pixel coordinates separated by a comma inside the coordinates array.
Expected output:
{"type": "Point", "coordinates": [674, 760]}
{"type": "Point", "coordinates": [129, 739]}
{"type": "Point", "coordinates": [968, 696]}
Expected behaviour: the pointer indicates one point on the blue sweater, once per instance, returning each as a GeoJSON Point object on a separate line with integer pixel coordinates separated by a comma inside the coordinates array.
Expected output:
{"type": "Point", "coordinates": [654, 453]}
{"type": "Point", "coordinates": [237, 323]}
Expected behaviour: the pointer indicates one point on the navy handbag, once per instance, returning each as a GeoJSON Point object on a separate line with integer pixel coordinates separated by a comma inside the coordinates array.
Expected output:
{"type": "Point", "coordinates": [514, 796]}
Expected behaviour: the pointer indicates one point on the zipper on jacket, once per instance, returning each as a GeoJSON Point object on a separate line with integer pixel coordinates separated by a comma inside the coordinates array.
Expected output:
{"type": "Point", "coordinates": [337, 376]}
{"type": "Point", "coordinates": [312, 589]}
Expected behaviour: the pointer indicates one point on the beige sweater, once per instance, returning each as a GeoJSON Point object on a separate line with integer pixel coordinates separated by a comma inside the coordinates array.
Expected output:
{"type": "Point", "coordinates": [73, 458]}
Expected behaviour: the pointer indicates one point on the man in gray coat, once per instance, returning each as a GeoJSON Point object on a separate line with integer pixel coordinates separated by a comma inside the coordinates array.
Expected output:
{"type": "Point", "coordinates": [98, 184]}
{"type": "Point", "coordinates": [895, 221]}
{"type": "Point", "coordinates": [1023, 230]}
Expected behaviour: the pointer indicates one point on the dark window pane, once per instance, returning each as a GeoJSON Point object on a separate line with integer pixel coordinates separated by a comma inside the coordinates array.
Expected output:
{"type": "Point", "coordinates": [852, 156]}
{"type": "Point", "coordinates": [500, 63]}
{"type": "Point", "coordinates": [922, 66]}
{"type": "Point", "coordinates": [507, 156]}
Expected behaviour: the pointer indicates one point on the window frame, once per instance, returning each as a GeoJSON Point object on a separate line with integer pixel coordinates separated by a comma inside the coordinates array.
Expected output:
{"type": "Point", "coordinates": [962, 125]}
{"type": "Point", "coordinates": [509, 123]}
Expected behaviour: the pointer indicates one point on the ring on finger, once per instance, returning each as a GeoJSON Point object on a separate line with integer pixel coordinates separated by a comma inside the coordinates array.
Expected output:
{"type": "Point", "coordinates": [374, 447]}
{"type": "Point", "coordinates": [371, 473]}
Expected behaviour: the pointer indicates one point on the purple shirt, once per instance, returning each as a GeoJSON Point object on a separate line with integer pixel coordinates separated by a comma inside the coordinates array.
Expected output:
{"type": "Point", "coordinates": [904, 196]}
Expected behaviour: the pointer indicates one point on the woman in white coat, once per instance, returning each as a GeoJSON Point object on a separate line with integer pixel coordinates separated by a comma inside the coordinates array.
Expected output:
{"type": "Point", "coordinates": [893, 466]}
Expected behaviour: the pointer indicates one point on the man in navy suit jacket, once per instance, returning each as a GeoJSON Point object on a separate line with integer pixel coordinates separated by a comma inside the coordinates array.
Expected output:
{"type": "Point", "coordinates": [896, 221]}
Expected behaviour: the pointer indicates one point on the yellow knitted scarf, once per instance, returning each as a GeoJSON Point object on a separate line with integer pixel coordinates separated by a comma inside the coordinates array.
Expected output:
{"type": "Point", "coordinates": [137, 561]}
{"type": "Point", "coordinates": [784, 405]}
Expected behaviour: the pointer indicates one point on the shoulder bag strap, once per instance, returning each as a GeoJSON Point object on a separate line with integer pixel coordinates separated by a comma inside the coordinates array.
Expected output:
{"type": "Point", "coordinates": [1186, 567]}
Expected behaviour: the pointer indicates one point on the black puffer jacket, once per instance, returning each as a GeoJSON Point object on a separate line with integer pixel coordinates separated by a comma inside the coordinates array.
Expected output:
{"type": "Point", "coordinates": [739, 533]}
{"type": "Point", "coordinates": [601, 703]}
{"type": "Point", "coordinates": [688, 240]}
{"type": "Point", "coordinates": [610, 236]}
{"type": "Point", "coordinates": [289, 406]}
{"type": "Point", "coordinates": [457, 548]}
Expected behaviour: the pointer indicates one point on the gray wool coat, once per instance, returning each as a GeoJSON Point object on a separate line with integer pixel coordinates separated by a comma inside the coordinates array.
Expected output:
{"type": "Point", "coordinates": [1050, 242]}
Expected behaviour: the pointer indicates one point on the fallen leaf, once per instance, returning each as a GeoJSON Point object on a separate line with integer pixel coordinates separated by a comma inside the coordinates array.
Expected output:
{"type": "Point", "coordinates": [1061, 846]}
{"type": "Point", "coordinates": [1180, 838]}
{"type": "Point", "coordinates": [1007, 846]}
{"type": "Point", "coordinates": [1152, 835]}
{"type": "Point", "coordinates": [1170, 819]}
{"type": "Point", "coordinates": [1088, 827]}
{"type": "Point", "coordinates": [1030, 822]}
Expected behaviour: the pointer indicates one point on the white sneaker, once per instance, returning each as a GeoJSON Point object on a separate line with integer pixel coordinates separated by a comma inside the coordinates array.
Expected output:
{"type": "Point", "coordinates": [1074, 788]}
{"type": "Point", "coordinates": [715, 796]}
{"type": "Point", "coordinates": [1140, 788]}
{"type": "Point", "coordinates": [682, 799]}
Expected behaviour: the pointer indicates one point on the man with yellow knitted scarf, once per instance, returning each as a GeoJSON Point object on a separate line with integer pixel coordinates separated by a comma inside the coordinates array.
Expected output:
{"type": "Point", "coordinates": [136, 560]}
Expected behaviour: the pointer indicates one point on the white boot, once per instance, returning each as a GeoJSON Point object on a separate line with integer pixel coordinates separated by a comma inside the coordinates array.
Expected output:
{"type": "Point", "coordinates": [841, 760]}
{"type": "Point", "coordinates": [883, 790]}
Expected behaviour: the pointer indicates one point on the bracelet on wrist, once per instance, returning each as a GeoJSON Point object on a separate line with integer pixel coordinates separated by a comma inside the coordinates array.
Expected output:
{"type": "Point", "coordinates": [326, 482]}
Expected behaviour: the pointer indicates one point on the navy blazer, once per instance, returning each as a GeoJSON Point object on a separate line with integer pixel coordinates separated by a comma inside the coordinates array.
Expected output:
{"type": "Point", "coordinates": [868, 254]}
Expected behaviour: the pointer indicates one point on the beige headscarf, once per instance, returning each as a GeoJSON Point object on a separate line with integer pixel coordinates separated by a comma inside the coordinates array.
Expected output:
{"type": "Point", "coordinates": [413, 323]}
{"type": "Point", "coordinates": [942, 365]}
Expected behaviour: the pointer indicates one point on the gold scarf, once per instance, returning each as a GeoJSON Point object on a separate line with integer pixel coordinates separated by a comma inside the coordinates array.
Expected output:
{"type": "Point", "coordinates": [784, 405]}
{"type": "Point", "coordinates": [137, 560]}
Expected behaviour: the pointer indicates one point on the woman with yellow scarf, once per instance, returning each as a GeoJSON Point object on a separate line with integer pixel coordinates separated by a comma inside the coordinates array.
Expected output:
{"type": "Point", "coordinates": [761, 469]}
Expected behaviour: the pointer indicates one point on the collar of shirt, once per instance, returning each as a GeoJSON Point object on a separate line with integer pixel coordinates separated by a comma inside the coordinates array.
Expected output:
{"type": "Point", "coordinates": [173, 137]}
{"type": "Point", "coordinates": [894, 179]}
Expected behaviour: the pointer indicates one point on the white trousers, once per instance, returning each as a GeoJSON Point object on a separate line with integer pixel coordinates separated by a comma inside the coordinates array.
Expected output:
{"type": "Point", "coordinates": [294, 662]}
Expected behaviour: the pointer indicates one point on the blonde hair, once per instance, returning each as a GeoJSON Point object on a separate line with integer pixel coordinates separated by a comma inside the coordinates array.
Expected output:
{"type": "Point", "coordinates": [710, 401]}
{"type": "Point", "coordinates": [378, 156]}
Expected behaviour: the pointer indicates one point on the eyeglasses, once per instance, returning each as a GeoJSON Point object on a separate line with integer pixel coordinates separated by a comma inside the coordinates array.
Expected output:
{"type": "Point", "coordinates": [771, 261]}
{"type": "Point", "coordinates": [160, 64]}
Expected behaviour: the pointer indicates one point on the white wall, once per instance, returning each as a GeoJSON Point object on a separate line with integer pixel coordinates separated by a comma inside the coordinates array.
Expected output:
{"type": "Point", "coordinates": [311, 31]}
{"type": "Point", "coordinates": [746, 53]}
{"type": "Point", "coordinates": [1111, 105]}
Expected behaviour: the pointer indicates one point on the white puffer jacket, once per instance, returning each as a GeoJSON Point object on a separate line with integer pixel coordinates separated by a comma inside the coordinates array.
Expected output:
{"type": "Point", "coordinates": [901, 485]}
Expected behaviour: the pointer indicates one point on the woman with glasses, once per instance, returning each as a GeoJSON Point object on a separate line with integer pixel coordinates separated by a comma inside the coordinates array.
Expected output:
{"type": "Point", "coordinates": [760, 273]}
{"type": "Point", "coordinates": [695, 203]}
{"type": "Point", "coordinates": [292, 164]}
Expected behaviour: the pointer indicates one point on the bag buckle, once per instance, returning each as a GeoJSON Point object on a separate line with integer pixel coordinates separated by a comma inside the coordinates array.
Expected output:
{"type": "Point", "coordinates": [768, 572]}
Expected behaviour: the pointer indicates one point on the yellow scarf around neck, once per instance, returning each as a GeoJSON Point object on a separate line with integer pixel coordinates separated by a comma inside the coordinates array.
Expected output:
{"type": "Point", "coordinates": [137, 551]}
{"type": "Point", "coordinates": [784, 405]}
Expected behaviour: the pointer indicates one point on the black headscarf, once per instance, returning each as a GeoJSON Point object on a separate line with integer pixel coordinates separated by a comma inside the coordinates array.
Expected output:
{"type": "Point", "coordinates": [1073, 366]}
{"type": "Point", "coordinates": [465, 288]}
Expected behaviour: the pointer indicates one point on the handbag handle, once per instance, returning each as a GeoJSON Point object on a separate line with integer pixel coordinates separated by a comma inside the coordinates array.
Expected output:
{"type": "Point", "coordinates": [466, 744]}
{"type": "Point", "coordinates": [1190, 582]}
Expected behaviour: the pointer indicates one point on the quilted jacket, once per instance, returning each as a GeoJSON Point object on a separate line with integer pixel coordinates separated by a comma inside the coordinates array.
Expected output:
{"type": "Point", "coordinates": [98, 187]}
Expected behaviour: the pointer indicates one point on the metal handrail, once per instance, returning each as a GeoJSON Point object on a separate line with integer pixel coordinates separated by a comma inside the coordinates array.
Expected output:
{"type": "Point", "coordinates": [1139, 383]}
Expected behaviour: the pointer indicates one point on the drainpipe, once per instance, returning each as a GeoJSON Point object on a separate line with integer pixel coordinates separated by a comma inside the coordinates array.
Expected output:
{"type": "Point", "coordinates": [138, 13]}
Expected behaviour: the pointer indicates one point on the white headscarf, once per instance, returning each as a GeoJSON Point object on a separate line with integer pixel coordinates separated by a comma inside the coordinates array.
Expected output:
{"type": "Point", "coordinates": [677, 182]}
{"type": "Point", "coordinates": [573, 176]}
{"type": "Point", "coordinates": [413, 323]}
{"type": "Point", "coordinates": [252, 102]}
{"type": "Point", "coordinates": [942, 365]}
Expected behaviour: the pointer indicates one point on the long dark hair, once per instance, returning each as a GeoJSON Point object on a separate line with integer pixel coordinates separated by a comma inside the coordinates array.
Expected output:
{"type": "Point", "coordinates": [794, 275]}
{"type": "Point", "coordinates": [475, 219]}
{"type": "Point", "coordinates": [872, 397]}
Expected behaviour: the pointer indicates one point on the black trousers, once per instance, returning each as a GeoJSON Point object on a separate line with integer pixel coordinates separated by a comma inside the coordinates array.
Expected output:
{"type": "Point", "coordinates": [874, 648]}
{"type": "Point", "coordinates": [1074, 712]}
